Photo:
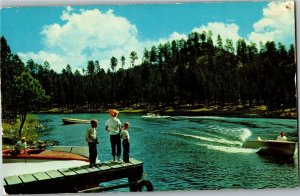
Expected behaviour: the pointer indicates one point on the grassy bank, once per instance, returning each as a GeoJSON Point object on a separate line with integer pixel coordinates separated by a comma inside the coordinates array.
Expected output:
{"type": "Point", "coordinates": [11, 135]}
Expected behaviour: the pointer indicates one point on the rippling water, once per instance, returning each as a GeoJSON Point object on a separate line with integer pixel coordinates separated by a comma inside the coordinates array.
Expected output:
{"type": "Point", "coordinates": [192, 153]}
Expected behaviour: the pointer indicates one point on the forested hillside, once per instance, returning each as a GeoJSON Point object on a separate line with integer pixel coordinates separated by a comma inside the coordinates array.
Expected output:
{"type": "Point", "coordinates": [191, 71]}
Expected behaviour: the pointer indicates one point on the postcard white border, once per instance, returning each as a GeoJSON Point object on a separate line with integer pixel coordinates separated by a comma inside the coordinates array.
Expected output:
{"type": "Point", "coordinates": [266, 192]}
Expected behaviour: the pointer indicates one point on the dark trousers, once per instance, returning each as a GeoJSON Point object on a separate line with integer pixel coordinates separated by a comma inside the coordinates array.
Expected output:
{"type": "Point", "coordinates": [126, 150]}
{"type": "Point", "coordinates": [92, 153]}
{"type": "Point", "coordinates": [115, 141]}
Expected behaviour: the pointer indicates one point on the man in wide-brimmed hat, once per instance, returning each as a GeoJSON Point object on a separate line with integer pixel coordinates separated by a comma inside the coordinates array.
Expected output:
{"type": "Point", "coordinates": [21, 146]}
{"type": "Point", "coordinates": [113, 126]}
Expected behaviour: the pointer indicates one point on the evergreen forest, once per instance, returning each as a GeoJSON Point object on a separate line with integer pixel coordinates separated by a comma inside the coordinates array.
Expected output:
{"type": "Point", "coordinates": [194, 71]}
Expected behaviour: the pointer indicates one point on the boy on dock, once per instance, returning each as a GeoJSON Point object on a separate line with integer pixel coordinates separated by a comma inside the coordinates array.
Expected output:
{"type": "Point", "coordinates": [125, 142]}
{"type": "Point", "coordinates": [92, 140]}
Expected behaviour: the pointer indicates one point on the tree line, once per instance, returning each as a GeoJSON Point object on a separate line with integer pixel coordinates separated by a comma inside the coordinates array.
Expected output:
{"type": "Point", "coordinates": [186, 71]}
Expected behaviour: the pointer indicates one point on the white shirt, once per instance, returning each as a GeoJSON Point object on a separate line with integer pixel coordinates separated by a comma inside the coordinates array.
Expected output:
{"type": "Point", "coordinates": [113, 126]}
{"type": "Point", "coordinates": [20, 146]}
{"type": "Point", "coordinates": [284, 138]}
{"type": "Point", "coordinates": [91, 134]}
{"type": "Point", "coordinates": [124, 134]}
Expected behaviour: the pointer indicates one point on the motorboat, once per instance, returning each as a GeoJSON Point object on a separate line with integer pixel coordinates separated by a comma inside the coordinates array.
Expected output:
{"type": "Point", "coordinates": [79, 153]}
{"type": "Point", "coordinates": [68, 121]}
{"type": "Point", "coordinates": [153, 115]}
{"type": "Point", "coordinates": [272, 147]}
{"type": "Point", "coordinates": [41, 160]}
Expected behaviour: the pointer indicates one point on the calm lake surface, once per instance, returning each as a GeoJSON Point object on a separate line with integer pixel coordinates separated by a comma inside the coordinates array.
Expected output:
{"type": "Point", "coordinates": [191, 153]}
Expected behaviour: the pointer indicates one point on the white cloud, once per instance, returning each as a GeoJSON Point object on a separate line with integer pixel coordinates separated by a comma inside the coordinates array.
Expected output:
{"type": "Point", "coordinates": [173, 36]}
{"type": "Point", "coordinates": [95, 35]}
{"type": "Point", "coordinates": [88, 35]}
{"type": "Point", "coordinates": [226, 31]}
{"type": "Point", "coordinates": [177, 36]}
{"type": "Point", "coordinates": [277, 24]}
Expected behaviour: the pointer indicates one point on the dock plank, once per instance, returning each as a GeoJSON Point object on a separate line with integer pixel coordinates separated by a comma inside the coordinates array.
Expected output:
{"type": "Point", "coordinates": [80, 170]}
{"type": "Point", "coordinates": [106, 162]}
{"type": "Point", "coordinates": [116, 166]}
{"type": "Point", "coordinates": [100, 164]}
{"type": "Point", "coordinates": [76, 178]}
{"type": "Point", "coordinates": [135, 162]}
{"type": "Point", "coordinates": [96, 169]}
{"type": "Point", "coordinates": [41, 176]}
{"type": "Point", "coordinates": [87, 167]}
{"type": "Point", "coordinates": [112, 164]}
{"type": "Point", "coordinates": [12, 180]}
{"type": "Point", "coordinates": [126, 164]}
{"type": "Point", "coordinates": [67, 172]}
{"type": "Point", "coordinates": [109, 164]}
{"type": "Point", "coordinates": [104, 167]}
{"type": "Point", "coordinates": [27, 178]}
{"type": "Point", "coordinates": [54, 174]}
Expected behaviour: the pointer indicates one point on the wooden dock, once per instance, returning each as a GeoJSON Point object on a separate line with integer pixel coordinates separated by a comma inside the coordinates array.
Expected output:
{"type": "Point", "coordinates": [79, 179]}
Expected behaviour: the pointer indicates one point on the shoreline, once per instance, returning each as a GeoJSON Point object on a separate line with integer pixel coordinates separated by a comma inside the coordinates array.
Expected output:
{"type": "Point", "coordinates": [225, 112]}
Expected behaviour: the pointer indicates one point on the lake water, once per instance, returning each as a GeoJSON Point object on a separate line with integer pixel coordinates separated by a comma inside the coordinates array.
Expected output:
{"type": "Point", "coordinates": [192, 153]}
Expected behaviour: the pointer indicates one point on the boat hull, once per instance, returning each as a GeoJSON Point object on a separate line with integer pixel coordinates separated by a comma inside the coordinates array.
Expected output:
{"type": "Point", "coordinates": [68, 121]}
{"type": "Point", "coordinates": [38, 160]}
{"type": "Point", "coordinates": [41, 155]}
{"type": "Point", "coordinates": [272, 147]}
{"type": "Point", "coordinates": [155, 117]}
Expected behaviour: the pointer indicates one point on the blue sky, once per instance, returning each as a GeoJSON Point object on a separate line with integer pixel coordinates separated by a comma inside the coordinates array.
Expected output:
{"type": "Point", "coordinates": [74, 35]}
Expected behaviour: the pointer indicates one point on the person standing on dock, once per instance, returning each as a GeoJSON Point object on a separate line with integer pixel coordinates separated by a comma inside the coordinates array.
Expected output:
{"type": "Point", "coordinates": [92, 140]}
{"type": "Point", "coordinates": [113, 126]}
{"type": "Point", "coordinates": [125, 142]}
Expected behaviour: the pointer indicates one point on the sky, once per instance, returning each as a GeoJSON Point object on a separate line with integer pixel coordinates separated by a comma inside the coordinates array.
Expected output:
{"type": "Point", "coordinates": [74, 35]}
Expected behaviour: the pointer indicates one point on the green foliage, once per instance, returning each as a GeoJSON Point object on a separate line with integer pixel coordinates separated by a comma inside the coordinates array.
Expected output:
{"type": "Point", "coordinates": [190, 71]}
{"type": "Point", "coordinates": [10, 130]}
{"type": "Point", "coordinates": [113, 63]}
{"type": "Point", "coordinates": [29, 96]}
{"type": "Point", "coordinates": [21, 92]}
{"type": "Point", "coordinates": [11, 66]}
{"type": "Point", "coordinates": [133, 57]}
{"type": "Point", "coordinates": [122, 61]}
{"type": "Point", "coordinates": [29, 93]}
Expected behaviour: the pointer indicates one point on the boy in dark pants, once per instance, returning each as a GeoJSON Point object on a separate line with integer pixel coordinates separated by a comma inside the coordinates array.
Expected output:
{"type": "Point", "coordinates": [91, 138]}
{"type": "Point", "coordinates": [125, 142]}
